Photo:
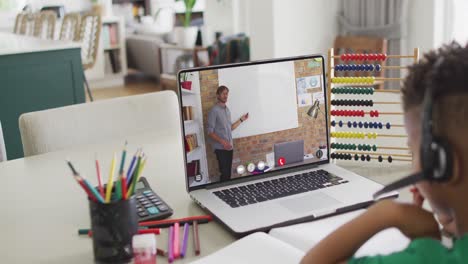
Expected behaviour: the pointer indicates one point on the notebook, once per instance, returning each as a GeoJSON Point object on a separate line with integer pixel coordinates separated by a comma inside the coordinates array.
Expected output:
{"type": "Point", "coordinates": [289, 244]}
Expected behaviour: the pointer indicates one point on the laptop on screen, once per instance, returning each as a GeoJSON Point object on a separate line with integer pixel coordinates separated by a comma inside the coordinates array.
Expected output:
{"type": "Point", "coordinates": [253, 145]}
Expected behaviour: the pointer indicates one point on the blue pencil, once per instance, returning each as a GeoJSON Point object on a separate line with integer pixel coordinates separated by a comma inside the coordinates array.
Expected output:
{"type": "Point", "coordinates": [185, 240]}
{"type": "Point", "coordinates": [131, 168]}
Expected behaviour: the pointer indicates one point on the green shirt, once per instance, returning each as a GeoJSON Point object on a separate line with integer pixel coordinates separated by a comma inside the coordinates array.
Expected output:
{"type": "Point", "coordinates": [423, 250]}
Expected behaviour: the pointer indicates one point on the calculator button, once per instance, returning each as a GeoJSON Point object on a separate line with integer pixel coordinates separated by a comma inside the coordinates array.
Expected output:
{"type": "Point", "coordinates": [140, 209]}
{"type": "Point", "coordinates": [140, 196]}
{"type": "Point", "coordinates": [158, 203]}
{"type": "Point", "coordinates": [162, 208]}
{"type": "Point", "coordinates": [152, 210]}
{"type": "Point", "coordinates": [145, 202]}
{"type": "Point", "coordinates": [155, 200]}
{"type": "Point", "coordinates": [143, 214]}
{"type": "Point", "coordinates": [147, 193]}
{"type": "Point", "coordinates": [151, 197]}
{"type": "Point", "coordinates": [148, 205]}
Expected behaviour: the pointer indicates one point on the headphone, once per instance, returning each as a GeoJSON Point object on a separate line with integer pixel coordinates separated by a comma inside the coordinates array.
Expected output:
{"type": "Point", "coordinates": [436, 152]}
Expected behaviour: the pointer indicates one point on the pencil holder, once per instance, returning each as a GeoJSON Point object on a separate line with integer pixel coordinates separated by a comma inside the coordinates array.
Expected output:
{"type": "Point", "coordinates": [113, 226]}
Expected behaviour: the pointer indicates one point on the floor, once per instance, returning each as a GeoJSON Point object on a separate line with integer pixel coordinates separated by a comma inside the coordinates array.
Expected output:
{"type": "Point", "coordinates": [135, 83]}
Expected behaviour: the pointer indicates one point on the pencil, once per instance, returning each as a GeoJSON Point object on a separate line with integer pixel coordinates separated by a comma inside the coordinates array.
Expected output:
{"type": "Point", "coordinates": [80, 181]}
{"type": "Point", "coordinates": [92, 190]}
{"type": "Point", "coordinates": [170, 251]}
{"type": "Point", "coordinates": [201, 219]}
{"type": "Point", "coordinates": [196, 239]}
{"type": "Point", "coordinates": [185, 240]}
{"type": "Point", "coordinates": [110, 182]}
{"type": "Point", "coordinates": [155, 231]}
{"type": "Point", "coordinates": [123, 182]}
{"type": "Point", "coordinates": [131, 188]}
{"type": "Point", "coordinates": [175, 246]}
{"type": "Point", "coordinates": [131, 168]}
{"type": "Point", "coordinates": [99, 178]}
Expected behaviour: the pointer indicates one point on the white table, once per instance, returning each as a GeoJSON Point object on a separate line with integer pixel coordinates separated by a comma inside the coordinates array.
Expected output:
{"type": "Point", "coordinates": [17, 44]}
{"type": "Point", "coordinates": [43, 207]}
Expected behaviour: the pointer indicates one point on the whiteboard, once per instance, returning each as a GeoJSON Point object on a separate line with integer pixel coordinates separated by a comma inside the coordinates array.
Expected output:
{"type": "Point", "coordinates": [267, 92]}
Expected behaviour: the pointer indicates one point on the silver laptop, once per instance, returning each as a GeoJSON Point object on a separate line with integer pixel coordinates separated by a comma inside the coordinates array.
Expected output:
{"type": "Point", "coordinates": [232, 135]}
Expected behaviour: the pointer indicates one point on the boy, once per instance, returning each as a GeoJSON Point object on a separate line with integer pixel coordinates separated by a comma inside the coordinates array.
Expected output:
{"type": "Point", "coordinates": [447, 199]}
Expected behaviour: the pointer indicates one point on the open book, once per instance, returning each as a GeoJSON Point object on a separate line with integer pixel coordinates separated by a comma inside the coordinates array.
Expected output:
{"type": "Point", "coordinates": [289, 244]}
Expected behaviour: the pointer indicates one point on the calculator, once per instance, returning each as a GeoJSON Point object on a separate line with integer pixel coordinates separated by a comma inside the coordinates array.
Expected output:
{"type": "Point", "coordinates": [150, 206]}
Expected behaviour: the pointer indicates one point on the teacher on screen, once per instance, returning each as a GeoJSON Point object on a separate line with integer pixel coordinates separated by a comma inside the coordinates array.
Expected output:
{"type": "Point", "coordinates": [220, 131]}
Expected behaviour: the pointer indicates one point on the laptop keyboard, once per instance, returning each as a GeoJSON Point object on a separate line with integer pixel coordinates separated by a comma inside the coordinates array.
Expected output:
{"type": "Point", "coordinates": [277, 188]}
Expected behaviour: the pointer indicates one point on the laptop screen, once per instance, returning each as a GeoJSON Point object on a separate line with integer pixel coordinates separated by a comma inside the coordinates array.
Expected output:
{"type": "Point", "coordinates": [253, 118]}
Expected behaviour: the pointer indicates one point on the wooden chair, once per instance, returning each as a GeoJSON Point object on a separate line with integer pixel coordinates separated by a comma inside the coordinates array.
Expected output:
{"type": "Point", "coordinates": [27, 24]}
{"type": "Point", "coordinates": [44, 26]}
{"type": "Point", "coordinates": [70, 27]}
{"type": "Point", "coordinates": [88, 35]}
{"type": "Point", "coordinates": [360, 44]}
{"type": "Point", "coordinates": [18, 22]}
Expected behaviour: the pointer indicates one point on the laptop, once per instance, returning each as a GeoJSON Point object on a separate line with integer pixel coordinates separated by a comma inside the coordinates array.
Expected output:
{"type": "Point", "coordinates": [236, 136]}
{"type": "Point", "coordinates": [287, 153]}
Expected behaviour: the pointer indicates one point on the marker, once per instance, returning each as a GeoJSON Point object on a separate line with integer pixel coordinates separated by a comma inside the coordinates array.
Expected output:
{"type": "Point", "coordinates": [185, 240]}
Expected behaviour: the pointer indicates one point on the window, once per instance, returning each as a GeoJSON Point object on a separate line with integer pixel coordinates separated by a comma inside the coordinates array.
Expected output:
{"type": "Point", "coordinates": [456, 21]}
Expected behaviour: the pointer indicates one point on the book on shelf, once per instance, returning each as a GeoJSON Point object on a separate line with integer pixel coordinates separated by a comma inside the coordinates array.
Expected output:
{"type": "Point", "coordinates": [289, 244]}
{"type": "Point", "coordinates": [191, 142]}
{"type": "Point", "coordinates": [193, 168]}
{"type": "Point", "coordinates": [110, 34]}
{"type": "Point", "coordinates": [187, 113]}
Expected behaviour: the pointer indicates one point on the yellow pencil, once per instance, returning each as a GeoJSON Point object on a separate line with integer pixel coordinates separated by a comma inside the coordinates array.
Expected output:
{"type": "Point", "coordinates": [110, 182]}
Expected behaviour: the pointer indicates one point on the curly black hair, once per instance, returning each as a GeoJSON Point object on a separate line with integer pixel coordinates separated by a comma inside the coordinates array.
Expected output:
{"type": "Point", "coordinates": [450, 78]}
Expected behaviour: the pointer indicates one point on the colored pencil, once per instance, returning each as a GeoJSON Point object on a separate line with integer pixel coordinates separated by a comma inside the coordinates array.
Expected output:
{"type": "Point", "coordinates": [93, 190]}
{"type": "Point", "coordinates": [110, 182]}
{"type": "Point", "coordinates": [131, 168]}
{"type": "Point", "coordinates": [175, 246]}
{"type": "Point", "coordinates": [131, 188]}
{"type": "Point", "coordinates": [170, 251]}
{"type": "Point", "coordinates": [196, 238]}
{"type": "Point", "coordinates": [185, 240]}
{"type": "Point", "coordinates": [83, 185]}
{"type": "Point", "coordinates": [99, 178]}
{"type": "Point", "coordinates": [122, 160]}
{"type": "Point", "coordinates": [123, 182]}
{"type": "Point", "coordinates": [160, 252]}
{"type": "Point", "coordinates": [155, 231]}
{"type": "Point", "coordinates": [166, 223]}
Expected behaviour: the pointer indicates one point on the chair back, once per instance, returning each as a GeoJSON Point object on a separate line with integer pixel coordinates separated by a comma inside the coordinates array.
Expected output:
{"type": "Point", "coordinates": [359, 44]}
{"type": "Point", "coordinates": [70, 27]}
{"type": "Point", "coordinates": [27, 24]}
{"type": "Point", "coordinates": [18, 23]}
{"type": "Point", "coordinates": [100, 121]}
{"type": "Point", "coordinates": [3, 155]}
{"type": "Point", "coordinates": [90, 31]}
{"type": "Point", "coordinates": [44, 26]}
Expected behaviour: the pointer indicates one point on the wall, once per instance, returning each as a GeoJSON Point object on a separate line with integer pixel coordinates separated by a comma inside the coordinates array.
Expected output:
{"type": "Point", "coordinates": [305, 27]}
{"type": "Point", "coordinates": [70, 5]}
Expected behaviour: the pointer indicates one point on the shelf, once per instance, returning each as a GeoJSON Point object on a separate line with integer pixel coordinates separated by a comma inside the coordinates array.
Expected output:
{"type": "Point", "coordinates": [112, 47]}
{"type": "Point", "coordinates": [185, 91]}
{"type": "Point", "coordinates": [193, 152]}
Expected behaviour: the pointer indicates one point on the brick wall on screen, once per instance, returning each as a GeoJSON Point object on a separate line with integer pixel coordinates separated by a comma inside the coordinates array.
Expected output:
{"type": "Point", "coordinates": [255, 148]}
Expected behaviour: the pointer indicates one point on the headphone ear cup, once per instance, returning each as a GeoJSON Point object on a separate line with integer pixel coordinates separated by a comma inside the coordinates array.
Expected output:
{"type": "Point", "coordinates": [442, 155]}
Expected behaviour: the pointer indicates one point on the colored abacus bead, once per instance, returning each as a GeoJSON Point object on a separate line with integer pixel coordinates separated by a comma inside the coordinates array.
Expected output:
{"type": "Point", "coordinates": [340, 123]}
{"type": "Point", "coordinates": [333, 123]}
{"type": "Point", "coordinates": [366, 125]}
{"type": "Point", "coordinates": [360, 124]}
{"type": "Point", "coordinates": [390, 159]}
{"type": "Point", "coordinates": [354, 124]}
{"type": "Point", "coordinates": [343, 57]}
{"type": "Point", "coordinates": [356, 157]}
{"type": "Point", "coordinates": [333, 155]}
{"type": "Point", "coordinates": [378, 67]}
{"type": "Point", "coordinates": [388, 126]}
{"type": "Point", "coordinates": [380, 159]}
{"type": "Point", "coordinates": [368, 158]}
{"type": "Point", "coordinates": [363, 158]}
{"type": "Point", "coordinates": [374, 147]}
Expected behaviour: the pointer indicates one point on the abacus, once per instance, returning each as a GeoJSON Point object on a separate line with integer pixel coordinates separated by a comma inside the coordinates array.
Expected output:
{"type": "Point", "coordinates": [357, 129]}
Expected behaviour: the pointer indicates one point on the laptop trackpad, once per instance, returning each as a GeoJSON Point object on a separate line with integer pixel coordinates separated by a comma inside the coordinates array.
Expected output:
{"type": "Point", "coordinates": [309, 202]}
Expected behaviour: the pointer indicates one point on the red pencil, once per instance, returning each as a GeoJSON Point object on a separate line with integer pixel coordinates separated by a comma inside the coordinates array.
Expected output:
{"type": "Point", "coordinates": [155, 231]}
{"type": "Point", "coordinates": [98, 172]}
{"type": "Point", "coordinates": [123, 181]}
{"type": "Point", "coordinates": [196, 238]}
{"type": "Point", "coordinates": [180, 220]}
{"type": "Point", "coordinates": [83, 185]}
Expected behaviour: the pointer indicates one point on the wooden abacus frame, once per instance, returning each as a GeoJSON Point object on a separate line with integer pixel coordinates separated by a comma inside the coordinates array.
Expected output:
{"type": "Point", "coordinates": [331, 73]}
